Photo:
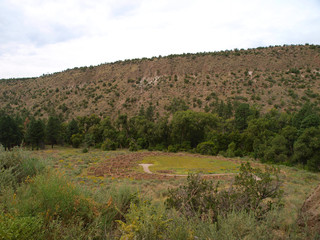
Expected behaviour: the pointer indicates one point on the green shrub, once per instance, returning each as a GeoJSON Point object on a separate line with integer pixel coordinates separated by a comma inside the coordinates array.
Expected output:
{"type": "Point", "coordinates": [53, 197]}
{"type": "Point", "coordinates": [108, 145]}
{"type": "Point", "coordinates": [160, 147]}
{"type": "Point", "coordinates": [207, 148]}
{"type": "Point", "coordinates": [118, 200]}
{"type": "Point", "coordinates": [231, 150]}
{"type": "Point", "coordinates": [16, 166]}
{"type": "Point", "coordinates": [133, 146]}
{"type": "Point", "coordinates": [7, 179]}
{"type": "Point", "coordinates": [145, 221]}
{"type": "Point", "coordinates": [185, 146]}
{"type": "Point", "coordinates": [253, 190]}
{"type": "Point", "coordinates": [15, 227]}
{"type": "Point", "coordinates": [173, 148]}
{"type": "Point", "coordinates": [76, 140]}
{"type": "Point", "coordinates": [142, 143]}
{"type": "Point", "coordinates": [180, 227]}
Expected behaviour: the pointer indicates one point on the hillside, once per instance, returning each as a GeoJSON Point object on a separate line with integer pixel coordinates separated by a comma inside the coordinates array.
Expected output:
{"type": "Point", "coordinates": [282, 77]}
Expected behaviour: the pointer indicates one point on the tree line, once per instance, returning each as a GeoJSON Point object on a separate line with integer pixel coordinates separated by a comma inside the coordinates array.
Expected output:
{"type": "Point", "coordinates": [232, 131]}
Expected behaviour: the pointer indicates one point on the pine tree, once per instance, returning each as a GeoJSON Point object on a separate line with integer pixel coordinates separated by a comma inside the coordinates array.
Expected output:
{"type": "Point", "coordinates": [10, 133]}
{"type": "Point", "coordinates": [72, 129]}
{"type": "Point", "coordinates": [53, 130]}
{"type": "Point", "coordinates": [35, 133]}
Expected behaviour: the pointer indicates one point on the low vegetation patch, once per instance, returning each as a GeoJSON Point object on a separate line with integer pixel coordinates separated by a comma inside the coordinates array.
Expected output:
{"type": "Point", "coordinates": [178, 164]}
{"type": "Point", "coordinates": [46, 202]}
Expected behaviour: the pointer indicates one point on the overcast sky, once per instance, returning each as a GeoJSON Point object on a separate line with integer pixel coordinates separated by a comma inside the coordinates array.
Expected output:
{"type": "Point", "coordinates": [45, 36]}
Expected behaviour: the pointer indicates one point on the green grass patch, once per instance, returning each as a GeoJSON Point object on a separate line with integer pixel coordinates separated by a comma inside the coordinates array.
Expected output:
{"type": "Point", "coordinates": [186, 164]}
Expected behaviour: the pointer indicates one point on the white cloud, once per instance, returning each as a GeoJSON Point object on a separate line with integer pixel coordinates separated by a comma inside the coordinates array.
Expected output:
{"type": "Point", "coordinates": [47, 36]}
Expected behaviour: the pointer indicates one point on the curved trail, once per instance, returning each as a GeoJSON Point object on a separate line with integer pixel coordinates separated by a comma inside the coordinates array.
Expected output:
{"type": "Point", "coordinates": [147, 170]}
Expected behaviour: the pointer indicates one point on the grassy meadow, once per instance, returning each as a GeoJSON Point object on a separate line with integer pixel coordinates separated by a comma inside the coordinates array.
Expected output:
{"type": "Point", "coordinates": [191, 164]}
{"type": "Point", "coordinates": [59, 194]}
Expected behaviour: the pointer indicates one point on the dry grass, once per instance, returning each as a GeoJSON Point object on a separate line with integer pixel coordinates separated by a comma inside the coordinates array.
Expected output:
{"type": "Point", "coordinates": [297, 183]}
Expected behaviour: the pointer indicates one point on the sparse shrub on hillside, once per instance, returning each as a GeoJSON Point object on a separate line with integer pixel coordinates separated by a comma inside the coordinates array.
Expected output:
{"type": "Point", "coordinates": [177, 104]}
{"type": "Point", "coordinates": [293, 70]}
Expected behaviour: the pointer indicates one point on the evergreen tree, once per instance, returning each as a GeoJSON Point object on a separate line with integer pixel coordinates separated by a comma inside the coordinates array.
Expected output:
{"type": "Point", "coordinates": [241, 115]}
{"type": "Point", "coordinates": [53, 130]}
{"type": "Point", "coordinates": [35, 133]}
{"type": "Point", "coordinates": [10, 133]}
{"type": "Point", "coordinates": [304, 112]}
{"type": "Point", "coordinates": [307, 149]}
{"type": "Point", "coordinates": [142, 111]}
{"type": "Point", "coordinates": [71, 130]}
{"type": "Point", "coordinates": [150, 113]}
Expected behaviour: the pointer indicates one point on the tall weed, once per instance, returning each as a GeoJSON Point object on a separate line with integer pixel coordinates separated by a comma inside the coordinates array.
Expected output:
{"type": "Point", "coordinates": [53, 197]}
{"type": "Point", "coordinates": [16, 166]}
{"type": "Point", "coordinates": [145, 221]}
{"type": "Point", "coordinates": [116, 202]}
{"type": "Point", "coordinates": [22, 228]}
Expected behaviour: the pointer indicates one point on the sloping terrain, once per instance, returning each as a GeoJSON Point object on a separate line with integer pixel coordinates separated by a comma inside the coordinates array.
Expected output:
{"type": "Point", "coordinates": [281, 77]}
{"type": "Point", "coordinates": [310, 211]}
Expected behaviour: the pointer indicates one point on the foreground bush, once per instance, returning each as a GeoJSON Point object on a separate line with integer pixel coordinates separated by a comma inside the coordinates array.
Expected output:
{"type": "Point", "coordinates": [16, 166]}
{"type": "Point", "coordinates": [117, 203]}
{"type": "Point", "coordinates": [145, 221]}
{"type": "Point", "coordinates": [22, 228]}
{"type": "Point", "coordinates": [53, 197]}
{"type": "Point", "coordinates": [49, 205]}
{"type": "Point", "coordinates": [253, 190]}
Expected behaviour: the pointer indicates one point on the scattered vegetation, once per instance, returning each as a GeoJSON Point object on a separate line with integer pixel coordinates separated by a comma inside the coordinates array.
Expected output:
{"type": "Point", "coordinates": [268, 111]}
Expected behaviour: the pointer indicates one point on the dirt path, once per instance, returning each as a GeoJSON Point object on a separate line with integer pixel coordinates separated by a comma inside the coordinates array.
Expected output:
{"type": "Point", "coordinates": [146, 167]}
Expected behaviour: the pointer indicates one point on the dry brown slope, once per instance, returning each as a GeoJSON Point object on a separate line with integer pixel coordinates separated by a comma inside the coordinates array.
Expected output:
{"type": "Point", "coordinates": [264, 76]}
